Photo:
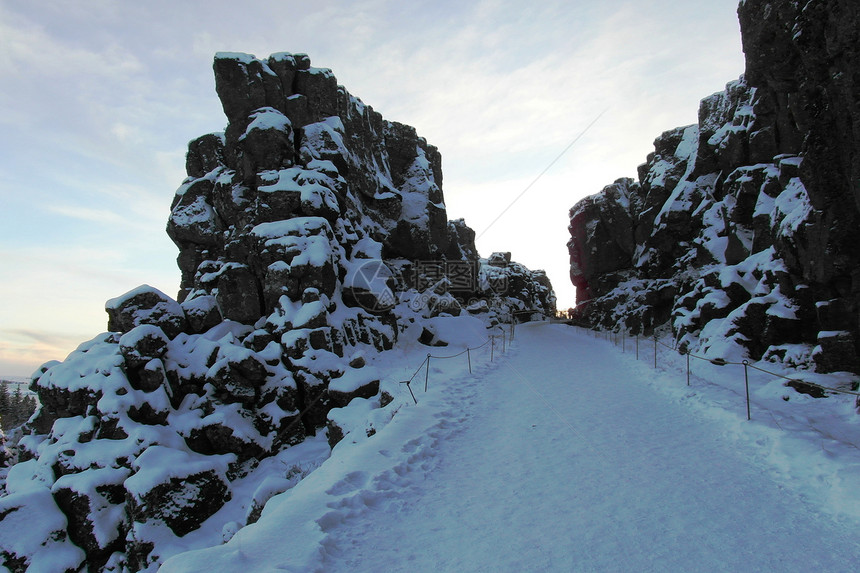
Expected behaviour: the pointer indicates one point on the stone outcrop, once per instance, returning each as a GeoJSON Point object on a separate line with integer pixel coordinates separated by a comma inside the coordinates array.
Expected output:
{"type": "Point", "coordinates": [311, 232]}
{"type": "Point", "coordinates": [745, 225]}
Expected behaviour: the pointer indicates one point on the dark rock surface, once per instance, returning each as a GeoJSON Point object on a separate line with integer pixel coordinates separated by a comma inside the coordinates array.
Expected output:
{"type": "Point", "coordinates": [744, 226]}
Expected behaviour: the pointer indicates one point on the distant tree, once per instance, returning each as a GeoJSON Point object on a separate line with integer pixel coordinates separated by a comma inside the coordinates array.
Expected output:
{"type": "Point", "coordinates": [17, 403]}
{"type": "Point", "coordinates": [15, 409]}
{"type": "Point", "coordinates": [5, 406]}
{"type": "Point", "coordinates": [28, 407]}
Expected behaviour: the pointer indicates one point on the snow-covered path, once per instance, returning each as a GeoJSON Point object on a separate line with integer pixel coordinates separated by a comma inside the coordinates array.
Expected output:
{"type": "Point", "coordinates": [562, 459]}
{"type": "Point", "coordinates": [567, 455]}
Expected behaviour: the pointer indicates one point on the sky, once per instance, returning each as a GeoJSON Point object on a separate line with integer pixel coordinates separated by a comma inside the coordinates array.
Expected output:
{"type": "Point", "coordinates": [99, 99]}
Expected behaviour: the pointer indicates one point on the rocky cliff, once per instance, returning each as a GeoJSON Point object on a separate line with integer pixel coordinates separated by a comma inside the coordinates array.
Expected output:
{"type": "Point", "coordinates": [745, 226]}
{"type": "Point", "coordinates": [312, 235]}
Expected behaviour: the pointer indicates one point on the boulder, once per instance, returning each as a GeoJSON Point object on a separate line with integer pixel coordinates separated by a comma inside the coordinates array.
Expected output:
{"type": "Point", "coordinates": [202, 313]}
{"type": "Point", "coordinates": [145, 305]}
{"type": "Point", "coordinates": [205, 154]}
{"type": "Point", "coordinates": [43, 544]}
{"type": "Point", "coordinates": [238, 376]}
{"type": "Point", "coordinates": [355, 383]}
{"type": "Point", "coordinates": [94, 504]}
{"type": "Point", "coordinates": [176, 488]}
{"type": "Point", "coordinates": [238, 295]}
{"type": "Point", "coordinates": [836, 352]}
{"type": "Point", "coordinates": [142, 344]}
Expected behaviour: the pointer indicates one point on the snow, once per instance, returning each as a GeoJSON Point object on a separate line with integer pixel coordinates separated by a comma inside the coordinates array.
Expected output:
{"type": "Point", "coordinates": [137, 334]}
{"type": "Point", "coordinates": [198, 212]}
{"type": "Point", "coordinates": [688, 144]}
{"type": "Point", "coordinates": [159, 464]}
{"type": "Point", "coordinates": [238, 56]}
{"type": "Point", "coordinates": [306, 236]}
{"type": "Point", "coordinates": [25, 536]}
{"type": "Point", "coordinates": [354, 379]}
{"type": "Point", "coordinates": [105, 517]}
{"type": "Point", "coordinates": [267, 118]}
{"type": "Point", "coordinates": [299, 226]}
{"type": "Point", "coordinates": [791, 208]}
{"type": "Point", "coordinates": [570, 454]}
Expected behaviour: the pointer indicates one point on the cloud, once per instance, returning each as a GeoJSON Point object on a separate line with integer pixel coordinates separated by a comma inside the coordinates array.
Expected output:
{"type": "Point", "coordinates": [23, 350]}
{"type": "Point", "coordinates": [87, 214]}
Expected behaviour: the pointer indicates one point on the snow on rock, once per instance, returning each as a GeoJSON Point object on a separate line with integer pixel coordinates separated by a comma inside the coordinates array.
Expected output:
{"type": "Point", "coordinates": [39, 544]}
{"type": "Point", "coordinates": [313, 240]}
{"type": "Point", "coordinates": [742, 225]}
{"type": "Point", "coordinates": [145, 305]}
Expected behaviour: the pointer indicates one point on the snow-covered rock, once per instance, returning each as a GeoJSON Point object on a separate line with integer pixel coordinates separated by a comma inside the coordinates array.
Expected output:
{"type": "Point", "coordinates": [743, 226]}
{"type": "Point", "coordinates": [298, 230]}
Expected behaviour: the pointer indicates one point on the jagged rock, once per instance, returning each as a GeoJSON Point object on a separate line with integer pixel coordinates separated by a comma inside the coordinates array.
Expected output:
{"type": "Point", "coordinates": [430, 338]}
{"type": "Point", "coordinates": [148, 430]}
{"type": "Point", "coordinates": [836, 352]}
{"type": "Point", "coordinates": [217, 435]}
{"type": "Point", "coordinates": [767, 184]}
{"type": "Point", "coordinates": [142, 344]}
{"type": "Point", "coordinates": [461, 241]}
{"type": "Point", "coordinates": [204, 154]}
{"type": "Point", "coordinates": [356, 383]}
{"type": "Point", "coordinates": [370, 284]}
{"type": "Point", "coordinates": [238, 376]}
{"type": "Point", "coordinates": [93, 502]}
{"type": "Point", "coordinates": [202, 313]}
{"type": "Point", "coordinates": [316, 399]}
{"type": "Point", "coordinates": [267, 143]}
{"type": "Point", "coordinates": [145, 305]}
{"type": "Point", "coordinates": [28, 544]}
{"type": "Point", "coordinates": [194, 221]}
{"type": "Point", "coordinates": [240, 85]}
{"type": "Point", "coordinates": [176, 488]}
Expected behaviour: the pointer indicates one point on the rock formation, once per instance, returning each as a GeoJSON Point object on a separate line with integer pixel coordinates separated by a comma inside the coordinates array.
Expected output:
{"type": "Point", "coordinates": [311, 232]}
{"type": "Point", "coordinates": [745, 226]}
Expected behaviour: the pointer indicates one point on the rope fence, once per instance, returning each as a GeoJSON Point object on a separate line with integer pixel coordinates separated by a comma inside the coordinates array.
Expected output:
{"type": "Point", "coordinates": [491, 341]}
{"type": "Point", "coordinates": [613, 335]}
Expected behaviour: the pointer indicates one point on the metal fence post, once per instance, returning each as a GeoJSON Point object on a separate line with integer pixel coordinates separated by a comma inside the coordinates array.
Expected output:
{"type": "Point", "coordinates": [655, 350]}
{"type": "Point", "coordinates": [427, 373]}
{"type": "Point", "coordinates": [492, 346]}
{"type": "Point", "coordinates": [747, 385]}
{"type": "Point", "coordinates": [409, 386]}
{"type": "Point", "coordinates": [687, 352]}
{"type": "Point", "coordinates": [469, 356]}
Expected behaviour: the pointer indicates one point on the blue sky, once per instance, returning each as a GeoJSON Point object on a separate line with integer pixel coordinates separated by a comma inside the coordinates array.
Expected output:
{"type": "Point", "coordinates": [98, 100]}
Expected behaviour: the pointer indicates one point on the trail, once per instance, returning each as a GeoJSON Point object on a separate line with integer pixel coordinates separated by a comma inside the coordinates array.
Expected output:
{"type": "Point", "coordinates": [563, 459]}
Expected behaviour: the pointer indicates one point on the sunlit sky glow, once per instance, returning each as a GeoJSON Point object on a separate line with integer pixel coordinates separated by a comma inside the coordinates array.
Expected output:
{"type": "Point", "coordinates": [99, 99]}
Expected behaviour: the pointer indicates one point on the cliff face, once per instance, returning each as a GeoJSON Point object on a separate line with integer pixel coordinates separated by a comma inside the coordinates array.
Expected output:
{"type": "Point", "coordinates": [745, 225]}
{"type": "Point", "coordinates": [312, 235]}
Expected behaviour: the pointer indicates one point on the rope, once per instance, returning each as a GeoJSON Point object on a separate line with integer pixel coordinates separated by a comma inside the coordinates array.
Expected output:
{"type": "Point", "coordinates": [430, 356]}
{"type": "Point", "coordinates": [453, 356]}
{"type": "Point", "coordinates": [723, 362]}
